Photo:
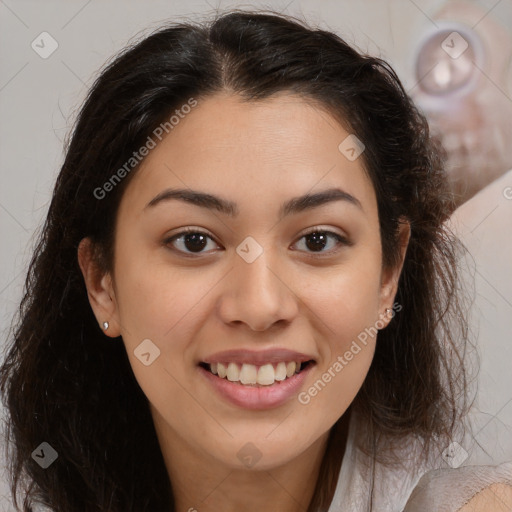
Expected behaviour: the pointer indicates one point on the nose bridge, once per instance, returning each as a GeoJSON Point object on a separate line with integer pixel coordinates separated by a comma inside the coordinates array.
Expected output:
{"type": "Point", "coordinates": [257, 294]}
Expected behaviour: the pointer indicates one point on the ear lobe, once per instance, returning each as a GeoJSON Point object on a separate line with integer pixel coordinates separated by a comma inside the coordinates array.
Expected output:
{"type": "Point", "coordinates": [100, 290]}
{"type": "Point", "coordinates": [391, 276]}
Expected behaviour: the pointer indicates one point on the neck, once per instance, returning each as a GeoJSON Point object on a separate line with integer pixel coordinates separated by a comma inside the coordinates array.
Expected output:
{"type": "Point", "coordinates": [202, 484]}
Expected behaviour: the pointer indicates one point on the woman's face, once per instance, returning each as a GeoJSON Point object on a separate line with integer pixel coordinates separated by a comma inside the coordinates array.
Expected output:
{"type": "Point", "coordinates": [250, 287]}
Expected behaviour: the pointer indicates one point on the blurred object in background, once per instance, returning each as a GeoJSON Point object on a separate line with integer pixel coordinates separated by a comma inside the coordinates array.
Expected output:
{"type": "Point", "coordinates": [464, 75]}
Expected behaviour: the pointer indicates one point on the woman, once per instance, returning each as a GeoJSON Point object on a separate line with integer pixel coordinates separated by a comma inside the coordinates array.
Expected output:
{"type": "Point", "coordinates": [243, 281]}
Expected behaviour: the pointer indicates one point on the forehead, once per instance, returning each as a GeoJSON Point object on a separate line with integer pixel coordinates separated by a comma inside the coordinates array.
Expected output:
{"type": "Point", "coordinates": [283, 145]}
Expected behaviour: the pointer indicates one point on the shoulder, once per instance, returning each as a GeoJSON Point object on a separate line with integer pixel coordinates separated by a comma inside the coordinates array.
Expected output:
{"type": "Point", "coordinates": [465, 489]}
{"type": "Point", "coordinates": [496, 497]}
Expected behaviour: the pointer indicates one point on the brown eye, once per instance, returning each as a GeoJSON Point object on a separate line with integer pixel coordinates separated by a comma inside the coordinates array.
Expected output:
{"type": "Point", "coordinates": [316, 241]}
{"type": "Point", "coordinates": [189, 241]}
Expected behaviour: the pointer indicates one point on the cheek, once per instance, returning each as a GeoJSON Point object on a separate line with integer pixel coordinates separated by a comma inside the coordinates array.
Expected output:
{"type": "Point", "coordinates": [347, 302]}
{"type": "Point", "coordinates": [159, 308]}
{"type": "Point", "coordinates": [155, 299]}
{"type": "Point", "coordinates": [346, 359]}
{"type": "Point", "coordinates": [336, 384]}
{"type": "Point", "coordinates": [346, 297]}
{"type": "Point", "coordinates": [164, 305]}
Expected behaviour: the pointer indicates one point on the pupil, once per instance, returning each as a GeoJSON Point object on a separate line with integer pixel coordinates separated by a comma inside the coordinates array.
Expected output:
{"type": "Point", "coordinates": [319, 241]}
{"type": "Point", "coordinates": [195, 242]}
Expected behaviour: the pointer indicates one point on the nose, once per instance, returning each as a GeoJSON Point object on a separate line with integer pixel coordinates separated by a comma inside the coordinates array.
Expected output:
{"type": "Point", "coordinates": [258, 294]}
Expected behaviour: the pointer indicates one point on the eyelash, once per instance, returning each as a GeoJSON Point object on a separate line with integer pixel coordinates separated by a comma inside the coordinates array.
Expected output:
{"type": "Point", "coordinates": [340, 239]}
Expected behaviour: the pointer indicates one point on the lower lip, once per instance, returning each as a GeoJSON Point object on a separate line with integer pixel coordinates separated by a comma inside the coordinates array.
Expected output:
{"type": "Point", "coordinates": [265, 397]}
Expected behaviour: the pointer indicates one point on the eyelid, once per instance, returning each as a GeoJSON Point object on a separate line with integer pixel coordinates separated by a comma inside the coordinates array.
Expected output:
{"type": "Point", "coordinates": [324, 229]}
{"type": "Point", "coordinates": [191, 229]}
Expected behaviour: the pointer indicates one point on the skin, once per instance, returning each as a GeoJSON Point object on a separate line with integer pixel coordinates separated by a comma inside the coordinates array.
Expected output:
{"type": "Point", "coordinates": [496, 497]}
{"type": "Point", "coordinates": [258, 155]}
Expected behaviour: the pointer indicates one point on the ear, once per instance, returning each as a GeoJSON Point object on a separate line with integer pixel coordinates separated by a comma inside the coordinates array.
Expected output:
{"type": "Point", "coordinates": [391, 276]}
{"type": "Point", "coordinates": [100, 289]}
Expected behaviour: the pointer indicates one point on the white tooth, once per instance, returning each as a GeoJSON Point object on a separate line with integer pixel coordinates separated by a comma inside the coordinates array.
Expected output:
{"type": "Point", "coordinates": [290, 368]}
{"type": "Point", "coordinates": [248, 374]}
{"type": "Point", "coordinates": [233, 373]}
{"type": "Point", "coordinates": [221, 370]}
{"type": "Point", "coordinates": [266, 375]}
{"type": "Point", "coordinates": [280, 371]}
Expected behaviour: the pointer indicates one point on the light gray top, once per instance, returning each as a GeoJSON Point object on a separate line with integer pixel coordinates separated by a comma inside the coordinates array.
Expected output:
{"type": "Point", "coordinates": [440, 484]}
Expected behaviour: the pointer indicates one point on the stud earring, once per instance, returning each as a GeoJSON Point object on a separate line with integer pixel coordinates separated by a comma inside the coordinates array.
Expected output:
{"type": "Point", "coordinates": [105, 326]}
{"type": "Point", "coordinates": [388, 311]}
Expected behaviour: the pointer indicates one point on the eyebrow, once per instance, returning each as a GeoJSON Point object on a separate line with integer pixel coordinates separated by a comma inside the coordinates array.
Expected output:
{"type": "Point", "coordinates": [292, 206]}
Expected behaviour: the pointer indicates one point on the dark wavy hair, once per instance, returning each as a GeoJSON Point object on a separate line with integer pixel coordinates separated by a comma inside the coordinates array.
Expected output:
{"type": "Point", "coordinates": [63, 384]}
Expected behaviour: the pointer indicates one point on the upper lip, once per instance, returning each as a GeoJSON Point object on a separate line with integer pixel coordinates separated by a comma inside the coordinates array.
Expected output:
{"type": "Point", "coordinates": [258, 357]}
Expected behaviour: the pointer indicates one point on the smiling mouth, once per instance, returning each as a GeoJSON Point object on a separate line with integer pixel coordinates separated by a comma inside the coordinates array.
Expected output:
{"type": "Point", "coordinates": [256, 375]}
